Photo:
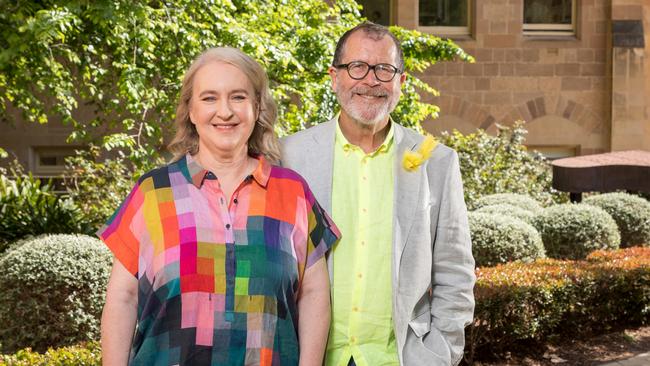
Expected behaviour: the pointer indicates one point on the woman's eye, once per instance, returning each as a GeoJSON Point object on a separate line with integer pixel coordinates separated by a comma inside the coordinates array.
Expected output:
{"type": "Point", "coordinates": [209, 99]}
{"type": "Point", "coordinates": [239, 97]}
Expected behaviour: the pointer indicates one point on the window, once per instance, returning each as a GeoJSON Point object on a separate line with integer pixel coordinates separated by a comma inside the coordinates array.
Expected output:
{"type": "Point", "coordinates": [376, 11]}
{"type": "Point", "coordinates": [444, 17]}
{"type": "Point", "coordinates": [49, 163]}
{"type": "Point", "coordinates": [549, 17]}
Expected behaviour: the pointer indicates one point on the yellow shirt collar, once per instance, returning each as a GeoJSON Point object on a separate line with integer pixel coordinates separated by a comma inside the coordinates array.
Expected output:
{"type": "Point", "coordinates": [344, 144]}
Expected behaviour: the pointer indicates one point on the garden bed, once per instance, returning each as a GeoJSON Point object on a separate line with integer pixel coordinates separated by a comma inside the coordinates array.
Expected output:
{"type": "Point", "coordinates": [582, 351]}
{"type": "Point", "coordinates": [523, 304]}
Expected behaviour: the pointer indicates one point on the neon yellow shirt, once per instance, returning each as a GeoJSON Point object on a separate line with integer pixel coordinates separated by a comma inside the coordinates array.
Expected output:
{"type": "Point", "coordinates": [362, 207]}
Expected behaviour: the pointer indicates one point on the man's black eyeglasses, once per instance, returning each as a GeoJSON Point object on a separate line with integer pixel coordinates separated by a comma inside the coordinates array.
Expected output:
{"type": "Point", "coordinates": [359, 69]}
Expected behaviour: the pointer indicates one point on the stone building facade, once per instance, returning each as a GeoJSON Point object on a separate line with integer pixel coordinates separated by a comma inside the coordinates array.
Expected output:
{"type": "Point", "coordinates": [582, 88]}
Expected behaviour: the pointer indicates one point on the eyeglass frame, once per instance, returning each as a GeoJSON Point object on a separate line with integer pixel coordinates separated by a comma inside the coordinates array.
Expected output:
{"type": "Point", "coordinates": [370, 67]}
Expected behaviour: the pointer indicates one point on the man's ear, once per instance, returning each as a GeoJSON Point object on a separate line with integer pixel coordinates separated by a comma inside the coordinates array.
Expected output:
{"type": "Point", "coordinates": [402, 78]}
{"type": "Point", "coordinates": [333, 76]}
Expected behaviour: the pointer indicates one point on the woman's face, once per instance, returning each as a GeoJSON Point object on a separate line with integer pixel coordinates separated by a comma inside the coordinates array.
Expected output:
{"type": "Point", "coordinates": [223, 108]}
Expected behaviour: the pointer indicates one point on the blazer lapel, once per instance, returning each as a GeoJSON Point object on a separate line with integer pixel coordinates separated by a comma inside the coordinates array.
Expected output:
{"type": "Point", "coordinates": [406, 193]}
{"type": "Point", "coordinates": [322, 166]}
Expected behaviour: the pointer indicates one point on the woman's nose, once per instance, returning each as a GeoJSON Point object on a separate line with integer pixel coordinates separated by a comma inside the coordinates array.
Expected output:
{"type": "Point", "coordinates": [224, 110]}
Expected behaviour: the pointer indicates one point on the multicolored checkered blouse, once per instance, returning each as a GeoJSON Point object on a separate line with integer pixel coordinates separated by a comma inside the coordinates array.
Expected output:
{"type": "Point", "coordinates": [218, 280]}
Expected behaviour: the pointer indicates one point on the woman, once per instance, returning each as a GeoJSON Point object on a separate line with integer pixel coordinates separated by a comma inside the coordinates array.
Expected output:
{"type": "Point", "coordinates": [217, 253]}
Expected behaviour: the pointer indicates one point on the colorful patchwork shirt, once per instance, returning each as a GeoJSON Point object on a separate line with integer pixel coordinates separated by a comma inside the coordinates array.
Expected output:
{"type": "Point", "coordinates": [218, 280]}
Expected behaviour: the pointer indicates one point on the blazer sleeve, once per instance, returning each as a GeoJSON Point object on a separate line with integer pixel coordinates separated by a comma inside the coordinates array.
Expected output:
{"type": "Point", "coordinates": [452, 273]}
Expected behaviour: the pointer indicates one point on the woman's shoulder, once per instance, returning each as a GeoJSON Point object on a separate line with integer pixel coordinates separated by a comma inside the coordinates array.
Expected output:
{"type": "Point", "coordinates": [286, 179]}
{"type": "Point", "coordinates": [280, 172]}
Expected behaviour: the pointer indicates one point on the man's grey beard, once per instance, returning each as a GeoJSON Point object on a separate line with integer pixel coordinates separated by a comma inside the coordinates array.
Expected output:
{"type": "Point", "coordinates": [381, 112]}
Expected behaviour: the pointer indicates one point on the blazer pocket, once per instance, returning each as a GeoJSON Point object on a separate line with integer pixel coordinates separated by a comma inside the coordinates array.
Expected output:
{"type": "Point", "coordinates": [425, 346]}
{"type": "Point", "coordinates": [421, 324]}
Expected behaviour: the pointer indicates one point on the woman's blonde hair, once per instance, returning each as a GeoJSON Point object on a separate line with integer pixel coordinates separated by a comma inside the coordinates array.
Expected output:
{"type": "Point", "coordinates": [263, 140]}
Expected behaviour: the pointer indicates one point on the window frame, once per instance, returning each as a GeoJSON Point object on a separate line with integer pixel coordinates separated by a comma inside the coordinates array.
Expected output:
{"type": "Point", "coordinates": [51, 151]}
{"type": "Point", "coordinates": [442, 31]}
{"type": "Point", "coordinates": [551, 29]}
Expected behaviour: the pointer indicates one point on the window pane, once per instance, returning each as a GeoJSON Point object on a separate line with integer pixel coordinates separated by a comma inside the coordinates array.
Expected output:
{"type": "Point", "coordinates": [48, 161]}
{"type": "Point", "coordinates": [376, 11]}
{"type": "Point", "coordinates": [547, 11]}
{"type": "Point", "coordinates": [443, 13]}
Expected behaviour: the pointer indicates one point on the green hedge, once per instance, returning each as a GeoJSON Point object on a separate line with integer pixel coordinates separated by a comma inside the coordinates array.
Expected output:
{"type": "Point", "coordinates": [501, 239]}
{"type": "Point", "coordinates": [518, 302]}
{"type": "Point", "coordinates": [631, 213]}
{"type": "Point", "coordinates": [81, 355]}
{"type": "Point", "coordinates": [506, 209]}
{"type": "Point", "coordinates": [572, 231]}
{"type": "Point", "coordinates": [522, 201]}
{"type": "Point", "coordinates": [52, 291]}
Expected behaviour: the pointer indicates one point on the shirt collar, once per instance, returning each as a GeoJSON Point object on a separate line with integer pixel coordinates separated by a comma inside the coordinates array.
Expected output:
{"type": "Point", "coordinates": [196, 173]}
{"type": "Point", "coordinates": [343, 142]}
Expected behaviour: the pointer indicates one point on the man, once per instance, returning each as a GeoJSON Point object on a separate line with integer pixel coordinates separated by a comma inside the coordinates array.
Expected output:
{"type": "Point", "coordinates": [403, 274]}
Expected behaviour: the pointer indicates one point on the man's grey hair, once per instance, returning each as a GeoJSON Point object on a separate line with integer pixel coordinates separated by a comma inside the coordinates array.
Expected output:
{"type": "Point", "coordinates": [373, 31]}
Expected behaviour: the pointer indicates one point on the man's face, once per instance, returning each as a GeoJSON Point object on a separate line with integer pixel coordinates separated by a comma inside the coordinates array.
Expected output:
{"type": "Point", "coordinates": [369, 100]}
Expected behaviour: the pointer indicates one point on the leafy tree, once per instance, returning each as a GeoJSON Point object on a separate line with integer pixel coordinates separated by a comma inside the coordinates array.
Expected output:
{"type": "Point", "coordinates": [126, 59]}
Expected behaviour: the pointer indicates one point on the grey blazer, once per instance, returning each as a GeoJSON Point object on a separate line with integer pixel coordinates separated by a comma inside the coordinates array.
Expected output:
{"type": "Point", "coordinates": [432, 264]}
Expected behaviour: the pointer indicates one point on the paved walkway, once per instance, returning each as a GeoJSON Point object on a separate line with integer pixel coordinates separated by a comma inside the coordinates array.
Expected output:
{"type": "Point", "coordinates": [638, 360]}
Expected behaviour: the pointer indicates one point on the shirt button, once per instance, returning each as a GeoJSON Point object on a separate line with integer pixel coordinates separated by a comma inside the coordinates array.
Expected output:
{"type": "Point", "coordinates": [227, 226]}
{"type": "Point", "coordinates": [355, 309]}
{"type": "Point", "coordinates": [359, 275]}
{"type": "Point", "coordinates": [353, 340]}
{"type": "Point", "coordinates": [364, 210]}
{"type": "Point", "coordinates": [221, 199]}
{"type": "Point", "coordinates": [363, 242]}
{"type": "Point", "coordinates": [235, 201]}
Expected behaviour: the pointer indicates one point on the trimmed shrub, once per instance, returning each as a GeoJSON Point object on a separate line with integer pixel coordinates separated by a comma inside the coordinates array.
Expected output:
{"type": "Point", "coordinates": [518, 302]}
{"type": "Point", "coordinates": [28, 207]}
{"type": "Point", "coordinates": [500, 239]}
{"type": "Point", "coordinates": [81, 355]}
{"type": "Point", "coordinates": [519, 200]}
{"type": "Point", "coordinates": [631, 213]}
{"type": "Point", "coordinates": [571, 231]}
{"type": "Point", "coordinates": [52, 291]}
{"type": "Point", "coordinates": [508, 210]}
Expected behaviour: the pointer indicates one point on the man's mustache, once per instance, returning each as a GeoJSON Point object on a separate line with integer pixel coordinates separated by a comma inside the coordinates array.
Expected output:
{"type": "Point", "coordinates": [374, 92]}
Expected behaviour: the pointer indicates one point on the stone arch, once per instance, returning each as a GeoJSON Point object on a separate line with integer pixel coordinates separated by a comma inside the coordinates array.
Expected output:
{"type": "Point", "coordinates": [559, 106]}
{"type": "Point", "coordinates": [458, 113]}
{"type": "Point", "coordinates": [554, 121]}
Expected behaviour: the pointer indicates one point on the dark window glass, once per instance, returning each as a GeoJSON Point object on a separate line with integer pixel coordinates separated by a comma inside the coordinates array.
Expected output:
{"type": "Point", "coordinates": [547, 11]}
{"type": "Point", "coordinates": [443, 13]}
{"type": "Point", "coordinates": [376, 11]}
{"type": "Point", "coordinates": [48, 161]}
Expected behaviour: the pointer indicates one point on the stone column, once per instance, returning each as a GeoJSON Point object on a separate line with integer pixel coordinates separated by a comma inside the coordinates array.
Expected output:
{"type": "Point", "coordinates": [630, 75]}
